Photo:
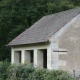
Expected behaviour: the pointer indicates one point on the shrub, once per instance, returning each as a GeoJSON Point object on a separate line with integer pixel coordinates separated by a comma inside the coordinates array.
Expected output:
{"type": "Point", "coordinates": [28, 72]}
{"type": "Point", "coordinates": [3, 69]}
{"type": "Point", "coordinates": [38, 74]}
{"type": "Point", "coordinates": [19, 72]}
{"type": "Point", "coordinates": [44, 74]}
{"type": "Point", "coordinates": [61, 75]}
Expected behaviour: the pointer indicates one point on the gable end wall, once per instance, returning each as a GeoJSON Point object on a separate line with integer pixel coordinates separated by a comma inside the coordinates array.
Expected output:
{"type": "Point", "coordinates": [68, 40]}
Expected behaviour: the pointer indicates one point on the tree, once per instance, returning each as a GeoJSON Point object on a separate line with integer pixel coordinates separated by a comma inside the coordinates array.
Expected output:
{"type": "Point", "coordinates": [18, 15]}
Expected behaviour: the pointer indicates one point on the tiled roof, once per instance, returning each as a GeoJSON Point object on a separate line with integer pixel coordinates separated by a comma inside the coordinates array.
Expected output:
{"type": "Point", "coordinates": [47, 26]}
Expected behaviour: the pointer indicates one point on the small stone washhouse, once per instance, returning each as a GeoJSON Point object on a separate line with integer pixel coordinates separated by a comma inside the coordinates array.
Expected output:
{"type": "Point", "coordinates": [53, 42]}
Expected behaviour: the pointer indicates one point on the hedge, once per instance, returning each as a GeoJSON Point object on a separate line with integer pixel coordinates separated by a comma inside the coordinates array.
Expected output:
{"type": "Point", "coordinates": [28, 72]}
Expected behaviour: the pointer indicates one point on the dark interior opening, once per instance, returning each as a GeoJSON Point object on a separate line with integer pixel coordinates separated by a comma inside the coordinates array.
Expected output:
{"type": "Point", "coordinates": [19, 56]}
{"type": "Point", "coordinates": [31, 56]}
{"type": "Point", "coordinates": [45, 58]}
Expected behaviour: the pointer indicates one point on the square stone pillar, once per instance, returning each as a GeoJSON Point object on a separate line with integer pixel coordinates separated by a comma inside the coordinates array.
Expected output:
{"type": "Point", "coordinates": [49, 58]}
{"type": "Point", "coordinates": [35, 58]}
{"type": "Point", "coordinates": [22, 56]}
{"type": "Point", "coordinates": [12, 56]}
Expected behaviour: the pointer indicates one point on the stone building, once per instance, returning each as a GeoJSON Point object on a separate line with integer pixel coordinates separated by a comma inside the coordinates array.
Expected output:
{"type": "Point", "coordinates": [53, 42]}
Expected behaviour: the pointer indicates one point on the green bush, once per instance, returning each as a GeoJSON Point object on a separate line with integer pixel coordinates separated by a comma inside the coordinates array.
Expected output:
{"type": "Point", "coordinates": [61, 75]}
{"type": "Point", "coordinates": [28, 72]}
{"type": "Point", "coordinates": [3, 70]}
{"type": "Point", "coordinates": [44, 74]}
{"type": "Point", "coordinates": [38, 74]}
{"type": "Point", "coordinates": [19, 72]}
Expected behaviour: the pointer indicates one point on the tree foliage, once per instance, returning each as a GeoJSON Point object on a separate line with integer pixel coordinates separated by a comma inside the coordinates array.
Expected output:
{"type": "Point", "coordinates": [18, 15]}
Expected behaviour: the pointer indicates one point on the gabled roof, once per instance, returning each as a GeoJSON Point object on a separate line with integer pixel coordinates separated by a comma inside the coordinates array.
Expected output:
{"type": "Point", "coordinates": [47, 26]}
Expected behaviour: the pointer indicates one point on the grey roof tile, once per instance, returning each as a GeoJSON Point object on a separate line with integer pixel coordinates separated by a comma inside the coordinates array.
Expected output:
{"type": "Point", "coordinates": [43, 29]}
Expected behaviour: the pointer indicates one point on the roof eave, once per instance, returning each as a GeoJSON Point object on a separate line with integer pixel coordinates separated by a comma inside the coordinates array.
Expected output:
{"type": "Point", "coordinates": [28, 44]}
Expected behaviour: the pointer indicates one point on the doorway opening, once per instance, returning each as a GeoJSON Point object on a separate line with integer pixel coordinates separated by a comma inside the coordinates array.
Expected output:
{"type": "Point", "coordinates": [42, 58]}
{"type": "Point", "coordinates": [31, 56]}
{"type": "Point", "coordinates": [17, 57]}
{"type": "Point", "coordinates": [20, 57]}
{"type": "Point", "coordinates": [45, 58]}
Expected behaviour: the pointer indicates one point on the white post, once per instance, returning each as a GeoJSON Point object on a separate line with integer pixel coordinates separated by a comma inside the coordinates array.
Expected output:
{"type": "Point", "coordinates": [49, 58]}
{"type": "Point", "coordinates": [12, 56]}
{"type": "Point", "coordinates": [35, 58]}
{"type": "Point", "coordinates": [23, 56]}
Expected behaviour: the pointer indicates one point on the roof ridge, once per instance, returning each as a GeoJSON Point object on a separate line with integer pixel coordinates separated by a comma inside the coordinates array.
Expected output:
{"type": "Point", "coordinates": [62, 11]}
